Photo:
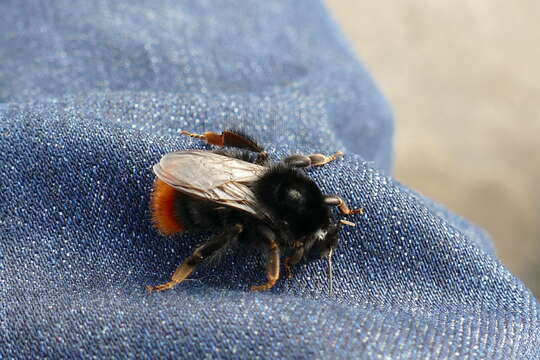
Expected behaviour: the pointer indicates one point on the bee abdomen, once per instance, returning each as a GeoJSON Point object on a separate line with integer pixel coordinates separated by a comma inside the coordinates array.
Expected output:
{"type": "Point", "coordinates": [163, 204]}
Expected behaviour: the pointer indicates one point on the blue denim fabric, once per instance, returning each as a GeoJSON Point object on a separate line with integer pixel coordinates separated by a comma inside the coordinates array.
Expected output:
{"type": "Point", "coordinates": [93, 94]}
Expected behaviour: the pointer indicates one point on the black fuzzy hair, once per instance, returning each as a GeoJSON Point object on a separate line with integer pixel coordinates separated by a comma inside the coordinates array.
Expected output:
{"type": "Point", "coordinates": [293, 197]}
{"type": "Point", "coordinates": [238, 138]}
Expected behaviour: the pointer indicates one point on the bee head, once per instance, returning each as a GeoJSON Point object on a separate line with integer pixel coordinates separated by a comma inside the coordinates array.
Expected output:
{"type": "Point", "coordinates": [323, 241]}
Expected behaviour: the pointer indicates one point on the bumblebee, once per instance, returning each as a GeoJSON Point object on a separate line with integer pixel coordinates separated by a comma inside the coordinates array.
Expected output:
{"type": "Point", "coordinates": [243, 197]}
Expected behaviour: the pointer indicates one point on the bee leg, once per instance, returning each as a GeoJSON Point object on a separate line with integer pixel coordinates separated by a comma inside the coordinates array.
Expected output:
{"type": "Point", "coordinates": [303, 161]}
{"type": "Point", "coordinates": [343, 208]}
{"type": "Point", "coordinates": [272, 267]}
{"type": "Point", "coordinates": [230, 138]}
{"type": "Point", "coordinates": [203, 252]}
{"type": "Point", "coordinates": [292, 260]}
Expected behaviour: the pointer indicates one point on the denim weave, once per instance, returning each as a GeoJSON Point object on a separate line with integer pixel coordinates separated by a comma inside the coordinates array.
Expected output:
{"type": "Point", "coordinates": [93, 93]}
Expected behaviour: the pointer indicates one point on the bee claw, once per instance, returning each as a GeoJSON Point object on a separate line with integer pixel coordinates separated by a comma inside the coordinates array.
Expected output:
{"type": "Point", "coordinates": [161, 287]}
{"type": "Point", "coordinates": [261, 287]}
{"type": "Point", "coordinates": [267, 286]}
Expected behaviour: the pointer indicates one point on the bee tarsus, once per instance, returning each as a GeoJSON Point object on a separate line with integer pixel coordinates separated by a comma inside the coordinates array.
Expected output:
{"type": "Point", "coordinates": [272, 267]}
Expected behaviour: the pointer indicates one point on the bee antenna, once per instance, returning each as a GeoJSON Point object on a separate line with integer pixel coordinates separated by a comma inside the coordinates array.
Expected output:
{"type": "Point", "coordinates": [330, 277]}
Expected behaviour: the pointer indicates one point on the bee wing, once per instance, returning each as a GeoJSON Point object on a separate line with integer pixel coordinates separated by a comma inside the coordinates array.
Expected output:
{"type": "Point", "coordinates": [213, 177]}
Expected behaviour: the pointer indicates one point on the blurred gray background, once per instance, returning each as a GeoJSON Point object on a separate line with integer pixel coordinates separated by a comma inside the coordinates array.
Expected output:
{"type": "Point", "coordinates": [463, 78]}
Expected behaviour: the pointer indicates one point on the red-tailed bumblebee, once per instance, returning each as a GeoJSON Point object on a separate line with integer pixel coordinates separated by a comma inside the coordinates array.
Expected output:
{"type": "Point", "coordinates": [243, 197]}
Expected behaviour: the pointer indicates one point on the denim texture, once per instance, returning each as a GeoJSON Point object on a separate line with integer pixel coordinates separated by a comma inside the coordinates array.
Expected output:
{"type": "Point", "coordinates": [92, 95]}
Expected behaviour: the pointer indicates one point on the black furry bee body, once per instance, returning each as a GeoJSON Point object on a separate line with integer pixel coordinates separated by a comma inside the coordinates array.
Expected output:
{"type": "Point", "coordinates": [243, 197]}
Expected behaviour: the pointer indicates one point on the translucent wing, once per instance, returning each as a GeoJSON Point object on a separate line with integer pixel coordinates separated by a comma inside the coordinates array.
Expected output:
{"type": "Point", "coordinates": [213, 177]}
